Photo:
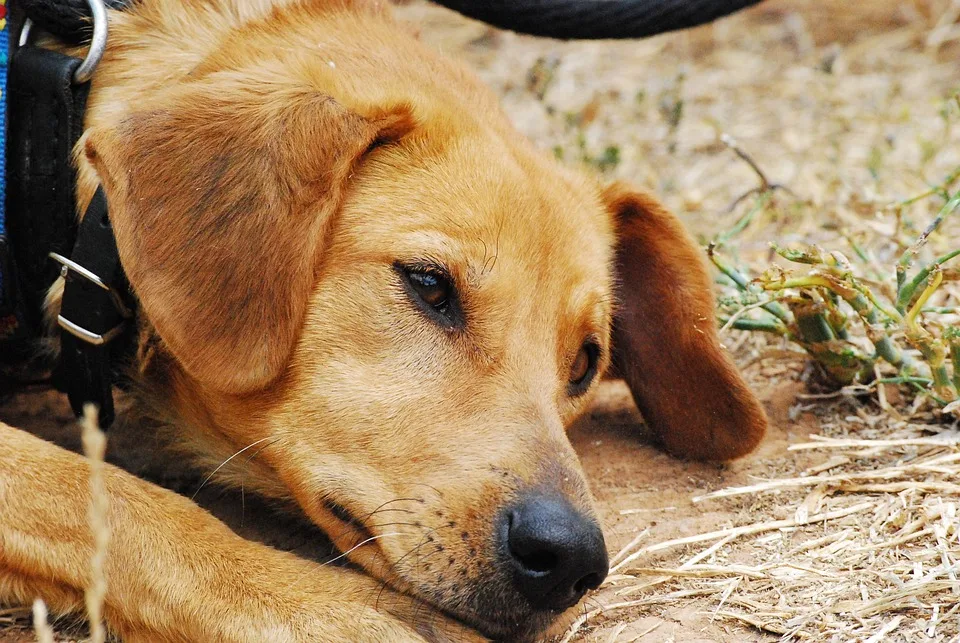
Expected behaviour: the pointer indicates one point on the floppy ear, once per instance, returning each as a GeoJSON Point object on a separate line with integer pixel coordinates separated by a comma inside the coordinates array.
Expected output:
{"type": "Point", "coordinates": [665, 338]}
{"type": "Point", "coordinates": [219, 201]}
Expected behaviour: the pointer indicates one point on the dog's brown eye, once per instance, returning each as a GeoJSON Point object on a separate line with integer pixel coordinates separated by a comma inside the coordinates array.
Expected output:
{"type": "Point", "coordinates": [581, 365]}
{"type": "Point", "coordinates": [583, 369]}
{"type": "Point", "coordinates": [432, 290]}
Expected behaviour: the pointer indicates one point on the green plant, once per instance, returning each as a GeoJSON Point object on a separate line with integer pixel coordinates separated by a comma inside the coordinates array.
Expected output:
{"type": "Point", "coordinates": [848, 324]}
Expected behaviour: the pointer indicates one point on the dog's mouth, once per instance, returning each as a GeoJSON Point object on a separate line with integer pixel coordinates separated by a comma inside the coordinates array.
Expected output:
{"type": "Point", "coordinates": [474, 589]}
{"type": "Point", "coordinates": [357, 543]}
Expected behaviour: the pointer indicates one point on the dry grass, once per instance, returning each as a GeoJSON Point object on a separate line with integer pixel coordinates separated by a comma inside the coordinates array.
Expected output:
{"type": "Point", "coordinates": [94, 443]}
{"type": "Point", "coordinates": [41, 627]}
{"type": "Point", "coordinates": [95, 448]}
{"type": "Point", "coordinates": [870, 552]}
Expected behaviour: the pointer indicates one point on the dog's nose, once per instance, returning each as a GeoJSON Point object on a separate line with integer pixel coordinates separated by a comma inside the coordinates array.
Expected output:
{"type": "Point", "coordinates": [557, 552]}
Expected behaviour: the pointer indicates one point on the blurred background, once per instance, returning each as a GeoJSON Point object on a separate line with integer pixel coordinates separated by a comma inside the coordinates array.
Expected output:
{"type": "Point", "coordinates": [828, 96]}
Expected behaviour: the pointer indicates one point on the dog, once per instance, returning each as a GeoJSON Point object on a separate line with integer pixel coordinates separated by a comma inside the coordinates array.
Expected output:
{"type": "Point", "coordinates": [349, 265]}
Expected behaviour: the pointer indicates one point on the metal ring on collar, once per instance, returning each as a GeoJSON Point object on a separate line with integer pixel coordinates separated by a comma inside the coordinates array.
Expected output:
{"type": "Point", "coordinates": [98, 43]}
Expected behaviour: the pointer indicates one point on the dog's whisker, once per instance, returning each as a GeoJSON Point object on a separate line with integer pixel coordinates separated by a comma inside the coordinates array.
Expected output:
{"type": "Point", "coordinates": [589, 600]}
{"type": "Point", "coordinates": [483, 262]}
{"type": "Point", "coordinates": [428, 486]}
{"type": "Point", "coordinates": [357, 546]}
{"type": "Point", "coordinates": [260, 450]}
{"type": "Point", "coordinates": [346, 553]}
{"type": "Point", "coordinates": [393, 566]}
{"type": "Point", "coordinates": [415, 549]}
{"type": "Point", "coordinates": [389, 502]}
{"type": "Point", "coordinates": [228, 460]}
{"type": "Point", "coordinates": [362, 527]}
{"type": "Point", "coordinates": [425, 611]}
{"type": "Point", "coordinates": [405, 511]}
{"type": "Point", "coordinates": [249, 459]}
{"type": "Point", "coordinates": [417, 611]}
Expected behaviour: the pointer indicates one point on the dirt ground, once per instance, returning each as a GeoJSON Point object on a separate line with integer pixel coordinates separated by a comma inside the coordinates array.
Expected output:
{"type": "Point", "coordinates": [847, 104]}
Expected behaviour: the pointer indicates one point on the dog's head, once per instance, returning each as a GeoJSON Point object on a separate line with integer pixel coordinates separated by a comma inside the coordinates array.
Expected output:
{"type": "Point", "coordinates": [362, 281]}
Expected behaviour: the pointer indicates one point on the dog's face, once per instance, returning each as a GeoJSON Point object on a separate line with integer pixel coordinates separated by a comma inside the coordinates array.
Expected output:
{"type": "Point", "coordinates": [461, 319]}
{"type": "Point", "coordinates": [390, 309]}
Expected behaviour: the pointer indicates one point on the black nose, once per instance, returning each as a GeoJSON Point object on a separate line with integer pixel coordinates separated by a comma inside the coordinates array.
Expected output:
{"type": "Point", "coordinates": [557, 552]}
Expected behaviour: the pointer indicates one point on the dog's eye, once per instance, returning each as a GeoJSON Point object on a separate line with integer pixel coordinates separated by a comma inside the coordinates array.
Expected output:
{"type": "Point", "coordinates": [583, 369]}
{"type": "Point", "coordinates": [432, 290]}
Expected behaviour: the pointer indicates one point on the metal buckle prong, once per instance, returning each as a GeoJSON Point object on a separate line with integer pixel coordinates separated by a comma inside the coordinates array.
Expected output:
{"type": "Point", "coordinates": [90, 337]}
{"type": "Point", "coordinates": [69, 264]}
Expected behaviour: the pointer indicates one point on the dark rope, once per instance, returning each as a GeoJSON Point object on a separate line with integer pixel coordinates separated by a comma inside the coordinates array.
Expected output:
{"type": "Point", "coordinates": [596, 19]}
{"type": "Point", "coordinates": [567, 19]}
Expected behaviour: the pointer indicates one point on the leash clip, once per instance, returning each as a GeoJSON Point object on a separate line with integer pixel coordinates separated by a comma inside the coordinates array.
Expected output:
{"type": "Point", "coordinates": [69, 267]}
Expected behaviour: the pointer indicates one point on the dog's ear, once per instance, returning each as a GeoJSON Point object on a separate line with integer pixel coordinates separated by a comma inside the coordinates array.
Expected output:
{"type": "Point", "coordinates": [665, 338]}
{"type": "Point", "coordinates": [220, 200]}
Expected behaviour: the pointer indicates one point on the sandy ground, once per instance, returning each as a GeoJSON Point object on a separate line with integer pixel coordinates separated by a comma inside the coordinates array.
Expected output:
{"type": "Point", "coordinates": [843, 103]}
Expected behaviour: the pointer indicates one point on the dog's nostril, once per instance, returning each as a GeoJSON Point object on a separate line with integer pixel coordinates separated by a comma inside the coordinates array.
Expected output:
{"type": "Point", "coordinates": [541, 562]}
{"type": "Point", "coordinates": [588, 582]}
{"type": "Point", "coordinates": [557, 553]}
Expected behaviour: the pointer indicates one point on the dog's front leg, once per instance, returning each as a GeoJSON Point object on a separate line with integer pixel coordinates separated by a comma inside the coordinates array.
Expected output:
{"type": "Point", "coordinates": [173, 571]}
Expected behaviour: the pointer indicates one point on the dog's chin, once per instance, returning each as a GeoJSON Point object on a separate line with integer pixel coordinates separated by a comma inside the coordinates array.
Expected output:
{"type": "Point", "coordinates": [531, 629]}
{"type": "Point", "coordinates": [499, 620]}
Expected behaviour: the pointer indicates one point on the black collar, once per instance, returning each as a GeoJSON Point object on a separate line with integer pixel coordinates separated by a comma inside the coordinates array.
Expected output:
{"type": "Point", "coordinates": [45, 113]}
{"type": "Point", "coordinates": [96, 314]}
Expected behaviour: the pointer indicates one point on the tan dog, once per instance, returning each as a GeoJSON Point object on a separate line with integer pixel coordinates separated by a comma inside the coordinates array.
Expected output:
{"type": "Point", "coordinates": [345, 256]}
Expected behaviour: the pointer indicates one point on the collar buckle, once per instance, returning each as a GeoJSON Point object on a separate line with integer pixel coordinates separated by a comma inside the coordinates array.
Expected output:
{"type": "Point", "coordinates": [71, 269]}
